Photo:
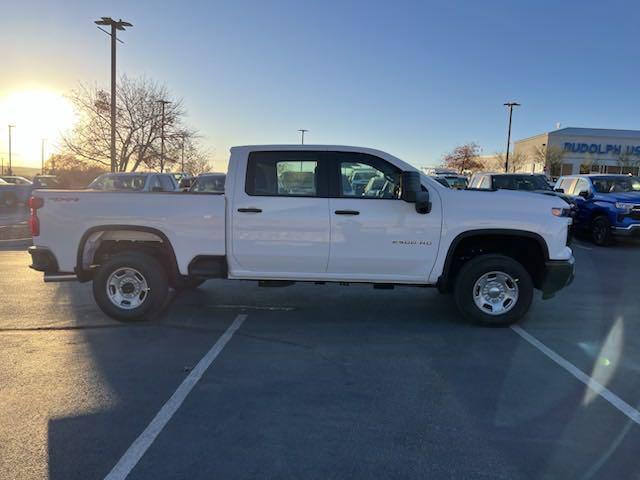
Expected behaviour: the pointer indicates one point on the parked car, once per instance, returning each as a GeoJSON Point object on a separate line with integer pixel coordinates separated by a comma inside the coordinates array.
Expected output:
{"type": "Point", "coordinates": [286, 216]}
{"type": "Point", "coordinates": [15, 180]}
{"type": "Point", "coordinates": [208, 183]}
{"type": "Point", "coordinates": [46, 181]}
{"type": "Point", "coordinates": [185, 183]}
{"type": "Point", "coordinates": [459, 182]}
{"type": "Point", "coordinates": [608, 205]}
{"type": "Point", "coordinates": [529, 182]}
{"type": "Point", "coordinates": [11, 194]}
{"type": "Point", "coordinates": [135, 182]}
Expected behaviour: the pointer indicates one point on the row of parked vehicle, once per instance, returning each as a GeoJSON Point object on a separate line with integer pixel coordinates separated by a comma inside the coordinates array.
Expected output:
{"type": "Point", "coordinates": [15, 190]}
{"type": "Point", "coordinates": [603, 206]}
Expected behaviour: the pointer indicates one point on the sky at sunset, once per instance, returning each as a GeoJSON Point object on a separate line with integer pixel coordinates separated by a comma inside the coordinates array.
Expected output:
{"type": "Point", "coordinates": [411, 78]}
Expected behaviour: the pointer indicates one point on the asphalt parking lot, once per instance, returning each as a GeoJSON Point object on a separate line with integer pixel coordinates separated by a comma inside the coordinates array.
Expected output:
{"type": "Point", "coordinates": [321, 382]}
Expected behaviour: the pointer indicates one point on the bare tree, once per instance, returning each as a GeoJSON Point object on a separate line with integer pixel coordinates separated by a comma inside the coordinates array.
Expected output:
{"type": "Point", "coordinates": [550, 157]}
{"type": "Point", "coordinates": [518, 162]}
{"type": "Point", "coordinates": [463, 158]}
{"type": "Point", "coordinates": [138, 124]}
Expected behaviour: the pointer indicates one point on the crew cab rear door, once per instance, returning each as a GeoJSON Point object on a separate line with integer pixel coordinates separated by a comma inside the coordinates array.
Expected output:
{"type": "Point", "coordinates": [280, 216]}
{"type": "Point", "coordinates": [376, 236]}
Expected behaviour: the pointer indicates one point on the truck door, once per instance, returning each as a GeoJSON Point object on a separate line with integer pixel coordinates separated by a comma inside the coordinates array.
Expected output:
{"type": "Point", "coordinates": [375, 235]}
{"type": "Point", "coordinates": [280, 217]}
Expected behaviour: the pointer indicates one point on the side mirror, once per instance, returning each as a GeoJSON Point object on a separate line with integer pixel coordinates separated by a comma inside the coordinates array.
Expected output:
{"type": "Point", "coordinates": [584, 194]}
{"type": "Point", "coordinates": [559, 190]}
{"type": "Point", "coordinates": [156, 189]}
{"type": "Point", "coordinates": [412, 192]}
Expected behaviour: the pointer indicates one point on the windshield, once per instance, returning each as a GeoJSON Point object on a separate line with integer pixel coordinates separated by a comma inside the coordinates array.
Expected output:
{"type": "Point", "coordinates": [47, 182]}
{"type": "Point", "coordinates": [209, 184]}
{"type": "Point", "coordinates": [616, 184]}
{"type": "Point", "coordinates": [115, 182]}
{"type": "Point", "coordinates": [520, 182]}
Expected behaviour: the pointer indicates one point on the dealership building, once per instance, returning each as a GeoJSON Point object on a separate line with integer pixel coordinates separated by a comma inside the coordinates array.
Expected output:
{"type": "Point", "coordinates": [587, 150]}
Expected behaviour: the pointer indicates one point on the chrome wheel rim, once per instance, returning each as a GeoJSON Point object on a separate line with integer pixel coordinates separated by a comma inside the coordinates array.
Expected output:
{"type": "Point", "coordinates": [495, 293]}
{"type": "Point", "coordinates": [127, 288]}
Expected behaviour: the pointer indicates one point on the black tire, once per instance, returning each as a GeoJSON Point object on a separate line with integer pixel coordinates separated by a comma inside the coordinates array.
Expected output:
{"type": "Point", "coordinates": [187, 283]}
{"type": "Point", "coordinates": [151, 271]}
{"type": "Point", "coordinates": [10, 200]}
{"type": "Point", "coordinates": [601, 231]}
{"type": "Point", "coordinates": [473, 270]}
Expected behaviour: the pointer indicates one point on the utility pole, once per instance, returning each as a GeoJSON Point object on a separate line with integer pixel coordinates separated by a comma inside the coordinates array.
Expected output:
{"type": "Point", "coordinates": [115, 26]}
{"type": "Point", "coordinates": [510, 105]}
{"type": "Point", "coordinates": [163, 103]}
{"type": "Point", "coordinates": [10, 169]}
{"type": "Point", "coordinates": [302, 131]}
{"type": "Point", "coordinates": [182, 147]}
{"type": "Point", "coordinates": [42, 155]}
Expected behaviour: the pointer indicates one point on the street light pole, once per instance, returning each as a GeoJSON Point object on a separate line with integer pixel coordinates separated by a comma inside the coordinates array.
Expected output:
{"type": "Point", "coordinates": [302, 130]}
{"type": "Point", "coordinates": [510, 105]}
{"type": "Point", "coordinates": [42, 155]}
{"type": "Point", "coordinates": [115, 26]}
{"type": "Point", "coordinates": [163, 103]}
{"type": "Point", "coordinates": [10, 169]}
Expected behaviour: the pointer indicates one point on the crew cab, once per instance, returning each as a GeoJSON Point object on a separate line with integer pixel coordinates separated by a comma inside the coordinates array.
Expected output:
{"type": "Point", "coordinates": [291, 214]}
{"type": "Point", "coordinates": [608, 205]}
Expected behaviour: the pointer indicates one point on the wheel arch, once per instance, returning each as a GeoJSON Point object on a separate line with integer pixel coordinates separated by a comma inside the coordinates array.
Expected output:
{"type": "Point", "coordinates": [88, 247]}
{"type": "Point", "coordinates": [484, 237]}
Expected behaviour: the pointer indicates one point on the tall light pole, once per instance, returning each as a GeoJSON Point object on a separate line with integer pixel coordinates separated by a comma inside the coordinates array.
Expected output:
{"type": "Point", "coordinates": [163, 103]}
{"type": "Point", "coordinates": [115, 26]}
{"type": "Point", "coordinates": [10, 127]}
{"type": "Point", "coordinates": [302, 131]}
{"type": "Point", "coordinates": [42, 155]}
{"type": "Point", "coordinates": [510, 105]}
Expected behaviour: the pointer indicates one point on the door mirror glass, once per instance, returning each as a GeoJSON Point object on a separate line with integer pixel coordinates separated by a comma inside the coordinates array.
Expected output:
{"type": "Point", "coordinates": [412, 192]}
{"type": "Point", "coordinates": [584, 194]}
{"type": "Point", "coordinates": [559, 190]}
{"type": "Point", "coordinates": [410, 186]}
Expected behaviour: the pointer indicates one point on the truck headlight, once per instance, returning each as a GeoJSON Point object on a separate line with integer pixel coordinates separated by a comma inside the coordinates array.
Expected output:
{"type": "Point", "coordinates": [627, 207]}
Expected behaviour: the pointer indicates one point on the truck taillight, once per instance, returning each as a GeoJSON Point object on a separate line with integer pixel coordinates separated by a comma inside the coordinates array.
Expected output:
{"type": "Point", "coordinates": [34, 223]}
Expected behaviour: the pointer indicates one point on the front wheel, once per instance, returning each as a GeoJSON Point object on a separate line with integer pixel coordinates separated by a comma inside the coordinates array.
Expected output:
{"type": "Point", "coordinates": [493, 290]}
{"type": "Point", "coordinates": [131, 286]}
{"type": "Point", "coordinates": [601, 231]}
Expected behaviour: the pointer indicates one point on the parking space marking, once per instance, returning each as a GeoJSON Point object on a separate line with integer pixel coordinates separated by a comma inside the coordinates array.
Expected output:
{"type": "Point", "coordinates": [137, 449]}
{"type": "Point", "coordinates": [597, 387]}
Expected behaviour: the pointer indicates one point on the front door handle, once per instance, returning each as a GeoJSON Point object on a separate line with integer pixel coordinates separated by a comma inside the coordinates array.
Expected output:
{"type": "Point", "coordinates": [347, 212]}
{"type": "Point", "coordinates": [250, 210]}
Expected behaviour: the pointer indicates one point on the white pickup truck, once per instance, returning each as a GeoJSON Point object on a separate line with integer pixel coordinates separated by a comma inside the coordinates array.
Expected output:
{"type": "Point", "coordinates": [291, 214]}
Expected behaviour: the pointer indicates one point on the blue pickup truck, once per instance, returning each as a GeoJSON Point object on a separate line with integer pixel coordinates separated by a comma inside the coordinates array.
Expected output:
{"type": "Point", "coordinates": [608, 205]}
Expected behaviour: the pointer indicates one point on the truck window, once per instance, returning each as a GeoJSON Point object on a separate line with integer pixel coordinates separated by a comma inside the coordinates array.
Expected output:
{"type": "Point", "coordinates": [283, 174]}
{"type": "Point", "coordinates": [485, 184]}
{"type": "Point", "coordinates": [581, 186]}
{"type": "Point", "coordinates": [567, 184]}
{"type": "Point", "coordinates": [166, 183]}
{"type": "Point", "coordinates": [367, 176]}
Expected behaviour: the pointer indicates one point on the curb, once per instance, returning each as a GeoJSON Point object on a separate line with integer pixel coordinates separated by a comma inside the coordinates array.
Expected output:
{"type": "Point", "coordinates": [16, 244]}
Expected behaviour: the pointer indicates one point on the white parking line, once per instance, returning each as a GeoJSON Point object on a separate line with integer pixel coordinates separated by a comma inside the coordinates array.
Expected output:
{"type": "Point", "coordinates": [597, 387]}
{"type": "Point", "coordinates": [137, 449]}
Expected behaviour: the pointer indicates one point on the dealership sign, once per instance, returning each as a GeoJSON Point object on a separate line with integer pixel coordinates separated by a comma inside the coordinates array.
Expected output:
{"type": "Point", "coordinates": [601, 148]}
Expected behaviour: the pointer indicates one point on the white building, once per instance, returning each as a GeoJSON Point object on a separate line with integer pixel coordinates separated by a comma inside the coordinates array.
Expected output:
{"type": "Point", "coordinates": [586, 150]}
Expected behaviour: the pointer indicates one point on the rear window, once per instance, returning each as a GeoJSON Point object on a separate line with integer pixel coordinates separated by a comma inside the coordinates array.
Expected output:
{"type": "Point", "coordinates": [283, 174]}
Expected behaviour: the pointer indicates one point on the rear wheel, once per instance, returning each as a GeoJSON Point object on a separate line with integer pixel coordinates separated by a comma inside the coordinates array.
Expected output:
{"type": "Point", "coordinates": [130, 286]}
{"type": "Point", "coordinates": [601, 230]}
{"type": "Point", "coordinates": [493, 290]}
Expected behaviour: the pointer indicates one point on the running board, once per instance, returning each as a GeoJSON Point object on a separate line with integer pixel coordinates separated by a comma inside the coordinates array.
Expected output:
{"type": "Point", "coordinates": [60, 277]}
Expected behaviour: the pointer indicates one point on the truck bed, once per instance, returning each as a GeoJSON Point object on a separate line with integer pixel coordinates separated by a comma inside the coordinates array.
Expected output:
{"type": "Point", "coordinates": [194, 224]}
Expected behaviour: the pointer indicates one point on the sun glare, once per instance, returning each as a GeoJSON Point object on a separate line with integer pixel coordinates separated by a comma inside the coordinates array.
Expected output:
{"type": "Point", "coordinates": [37, 115]}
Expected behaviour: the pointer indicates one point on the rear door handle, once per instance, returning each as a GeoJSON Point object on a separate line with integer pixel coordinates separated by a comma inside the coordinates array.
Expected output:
{"type": "Point", "coordinates": [250, 210]}
{"type": "Point", "coordinates": [347, 212]}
